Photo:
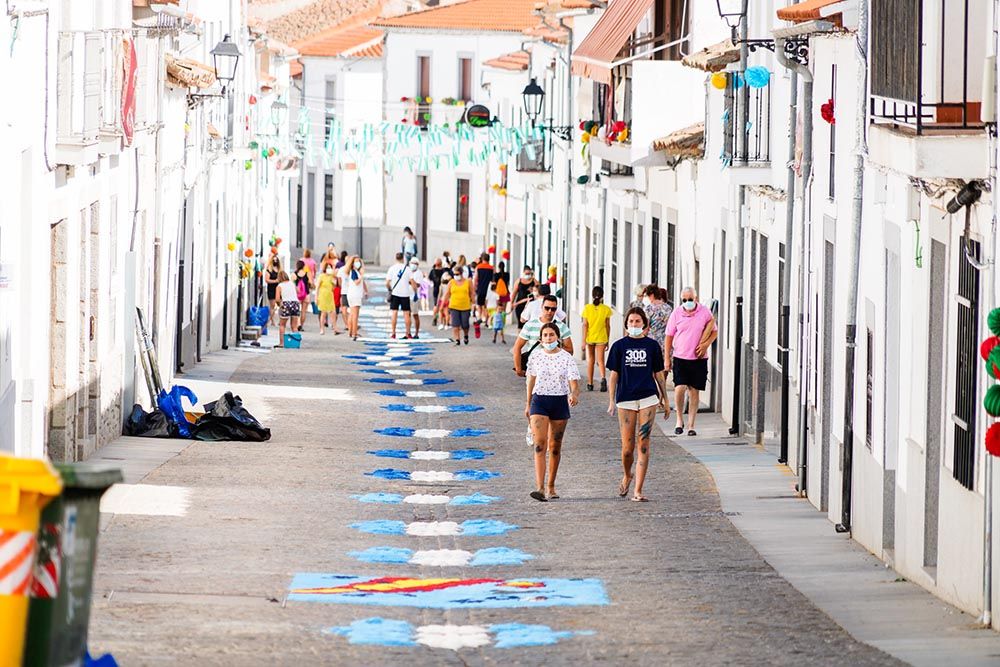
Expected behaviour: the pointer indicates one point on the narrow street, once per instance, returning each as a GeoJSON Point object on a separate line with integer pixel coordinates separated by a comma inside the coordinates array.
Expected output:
{"type": "Point", "coordinates": [267, 555]}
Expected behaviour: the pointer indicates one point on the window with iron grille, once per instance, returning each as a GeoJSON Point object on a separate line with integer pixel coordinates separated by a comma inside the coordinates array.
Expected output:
{"type": "Point", "coordinates": [654, 251]}
{"type": "Point", "coordinates": [671, 22]}
{"type": "Point", "coordinates": [462, 209]}
{"type": "Point", "coordinates": [966, 366]}
{"type": "Point", "coordinates": [614, 261]}
{"type": "Point", "coordinates": [328, 197]}
{"type": "Point", "coordinates": [832, 185]}
{"type": "Point", "coordinates": [671, 285]}
{"type": "Point", "coordinates": [869, 388]}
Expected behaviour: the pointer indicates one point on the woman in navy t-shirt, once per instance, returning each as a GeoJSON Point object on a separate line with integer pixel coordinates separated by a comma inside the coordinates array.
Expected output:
{"type": "Point", "coordinates": [636, 386]}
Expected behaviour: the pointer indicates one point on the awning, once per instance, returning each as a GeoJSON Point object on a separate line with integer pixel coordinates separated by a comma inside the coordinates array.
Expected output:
{"type": "Point", "coordinates": [267, 82]}
{"type": "Point", "coordinates": [512, 62]}
{"type": "Point", "coordinates": [713, 58]}
{"type": "Point", "coordinates": [688, 142]}
{"type": "Point", "coordinates": [188, 73]}
{"type": "Point", "coordinates": [594, 57]}
{"type": "Point", "coordinates": [810, 10]}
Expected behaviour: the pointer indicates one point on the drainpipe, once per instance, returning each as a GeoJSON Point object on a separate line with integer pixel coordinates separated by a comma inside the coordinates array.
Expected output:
{"type": "Point", "coordinates": [568, 238]}
{"type": "Point", "coordinates": [734, 428]}
{"type": "Point", "coordinates": [798, 71]}
{"type": "Point", "coordinates": [991, 125]}
{"type": "Point", "coordinates": [851, 330]}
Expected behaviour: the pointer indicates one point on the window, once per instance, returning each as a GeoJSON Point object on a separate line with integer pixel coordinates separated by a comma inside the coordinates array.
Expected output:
{"type": "Point", "coordinates": [832, 186]}
{"type": "Point", "coordinates": [670, 24]}
{"type": "Point", "coordinates": [654, 260]}
{"type": "Point", "coordinates": [423, 90]}
{"type": "Point", "coordinates": [614, 261]}
{"type": "Point", "coordinates": [781, 297]}
{"type": "Point", "coordinates": [328, 197]}
{"type": "Point", "coordinates": [966, 365]}
{"type": "Point", "coordinates": [762, 295]}
{"type": "Point", "coordinates": [671, 285]}
{"type": "Point", "coordinates": [869, 387]}
{"type": "Point", "coordinates": [629, 264]}
{"type": "Point", "coordinates": [462, 216]}
{"type": "Point", "coordinates": [465, 79]}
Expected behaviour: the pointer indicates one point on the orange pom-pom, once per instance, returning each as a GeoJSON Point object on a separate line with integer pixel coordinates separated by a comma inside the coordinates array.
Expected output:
{"type": "Point", "coordinates": [248, 252]}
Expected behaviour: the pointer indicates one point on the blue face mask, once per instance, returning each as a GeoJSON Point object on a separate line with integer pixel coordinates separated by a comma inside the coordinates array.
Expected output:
{"type": "Point", "coordinates": [634, 331]}
{"type": "Point", "coordinates": [550, 346]}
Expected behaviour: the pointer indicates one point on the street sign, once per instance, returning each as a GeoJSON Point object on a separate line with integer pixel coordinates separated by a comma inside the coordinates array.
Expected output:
{"type": "Point", "coordinates": [478, 116]}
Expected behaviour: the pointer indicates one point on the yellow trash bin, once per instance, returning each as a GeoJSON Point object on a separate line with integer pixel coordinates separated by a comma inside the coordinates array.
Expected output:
{"type": "Point", "coordinates": [26, 486]}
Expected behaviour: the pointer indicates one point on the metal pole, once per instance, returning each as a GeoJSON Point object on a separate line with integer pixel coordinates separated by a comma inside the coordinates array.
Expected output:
{"type": "Point", "coordinates": [787, 277]}
{"type": "Point", "coordinates": [851, 329]}
{"type": "Point", "coordinates": [734, 428]}
{"type": "Point", "coordinates": [807, 159]}
{"type": "Point", "coordinates": [568, 239]}
{"type": "Point", "coordinates": [358, 198]}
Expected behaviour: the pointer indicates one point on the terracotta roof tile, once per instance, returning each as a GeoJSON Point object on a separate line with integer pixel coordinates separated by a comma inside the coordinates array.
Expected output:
{"type": "Point", "coordinates": [318, 16]}
{"type": "Point", "coordinates": [294, 69]}
{"type": "Point", "coordinates": [687, 142]}
{"type": "Point", "coordinates": [804, 11]}
{"type": "Point", "coordinates": [713, 58]}
{"type": "Point", "coordinates": [512, 62]}
{"type": "Point", "coordinates": [343, 41]}
{"type": "Point", "coordinates": [469, 15]}
{"type": "Point", "coordinates": [547, 32]}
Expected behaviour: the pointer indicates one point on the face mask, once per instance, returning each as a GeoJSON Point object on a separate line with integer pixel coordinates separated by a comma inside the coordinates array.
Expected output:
{"type": "Point", "coordinates": [635, 332]}
{"type": "Point", "coordinates": [689, 305]}
{"type": "Point", "coordinates": [357, 265]}
{"type": "Point", "coordinates": [526, 276]}
{"type": "Point", "coordinates": [329, 270]}
{"type": "Point", "coordinates": [551, 346]}
{"type": "Point", "coordinates": [645, 300]}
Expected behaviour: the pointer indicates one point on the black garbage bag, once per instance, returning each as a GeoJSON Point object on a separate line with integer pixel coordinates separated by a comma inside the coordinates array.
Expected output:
{"type": "Point", "coordinates": [149, 424]}
{"type": "Point", "coordinates": [227, 419]}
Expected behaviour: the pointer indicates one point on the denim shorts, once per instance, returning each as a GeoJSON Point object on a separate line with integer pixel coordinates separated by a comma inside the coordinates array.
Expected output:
{"type": "Point", "coordinates": [553, 407]}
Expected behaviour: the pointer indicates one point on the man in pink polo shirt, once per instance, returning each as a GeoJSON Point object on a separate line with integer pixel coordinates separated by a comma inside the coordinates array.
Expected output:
{"type": "Point", "coordinates": [691, 330]}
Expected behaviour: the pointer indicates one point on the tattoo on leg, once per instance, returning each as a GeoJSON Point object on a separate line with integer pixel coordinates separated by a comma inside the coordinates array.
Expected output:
{"type": "Point", "coordinates": [644, 450]}
{"type": "Point", "coordinates": [644, 429]}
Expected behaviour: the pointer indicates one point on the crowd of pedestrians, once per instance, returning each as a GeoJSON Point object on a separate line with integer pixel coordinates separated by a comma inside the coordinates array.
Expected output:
{"type": "Point", "coordinates": [657, 340]}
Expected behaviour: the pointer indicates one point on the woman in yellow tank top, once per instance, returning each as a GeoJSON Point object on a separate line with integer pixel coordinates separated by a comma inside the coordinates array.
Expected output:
{"type": "Point", "coordinates": [460, 304]}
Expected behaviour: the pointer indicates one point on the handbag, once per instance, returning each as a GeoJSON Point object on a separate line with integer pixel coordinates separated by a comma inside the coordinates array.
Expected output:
{"type": "Point", "coordinates": [526, 355]}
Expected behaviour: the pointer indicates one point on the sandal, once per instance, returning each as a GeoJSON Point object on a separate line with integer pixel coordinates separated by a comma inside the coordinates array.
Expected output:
{"type": "Point", "coordinates": [623, 487]}
{"type": "Point", "coordinates": [678, 430]}
{"type": "Point", "coordinates": [538, 495]}
{"type": "Point", "coordinates": [692, 432]}
{"type": "Point", "coordinates": [640, 499]}
{"type": "Point", "coordinates": [552, 495]}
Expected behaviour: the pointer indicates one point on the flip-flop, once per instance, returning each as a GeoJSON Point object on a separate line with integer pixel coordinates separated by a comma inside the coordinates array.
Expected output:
{"type": "Point", "coordinates": [640, 499]}
{"type": "Point", "coordinates": [623, 488]}
{"type": "Point", "coordinates": [538, 495]}
{"type": "Point", "coordinates": [553, 496]}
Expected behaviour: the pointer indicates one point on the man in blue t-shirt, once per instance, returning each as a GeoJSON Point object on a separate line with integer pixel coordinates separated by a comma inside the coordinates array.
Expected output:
{"type": "Point", "coordinates": [636, 386]}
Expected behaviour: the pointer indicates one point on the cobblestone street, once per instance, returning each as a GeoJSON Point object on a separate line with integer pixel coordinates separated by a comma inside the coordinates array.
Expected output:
{"type": "Point", "coordinates": [682, 586]}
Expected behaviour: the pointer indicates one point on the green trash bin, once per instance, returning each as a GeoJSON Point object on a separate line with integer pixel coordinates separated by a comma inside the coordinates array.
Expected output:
{"type": "Point", "coordinates": [59, 614]}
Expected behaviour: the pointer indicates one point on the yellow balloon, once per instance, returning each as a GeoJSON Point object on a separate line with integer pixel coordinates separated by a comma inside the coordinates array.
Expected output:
{"type": "Point", "coordinates": [719, 80]}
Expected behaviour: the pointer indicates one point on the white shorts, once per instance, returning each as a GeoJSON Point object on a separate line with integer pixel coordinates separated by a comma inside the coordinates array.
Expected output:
{"type": "Point", "coordinates": [641, 404]}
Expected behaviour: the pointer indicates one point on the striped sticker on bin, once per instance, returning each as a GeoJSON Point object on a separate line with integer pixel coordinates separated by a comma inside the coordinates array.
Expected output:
{"type": "Point", "coordinates": [17, 557]}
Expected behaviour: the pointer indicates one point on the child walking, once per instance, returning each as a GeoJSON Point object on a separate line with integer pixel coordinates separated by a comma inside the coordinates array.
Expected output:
{"type": "Point", "coordinates": [499, 319]}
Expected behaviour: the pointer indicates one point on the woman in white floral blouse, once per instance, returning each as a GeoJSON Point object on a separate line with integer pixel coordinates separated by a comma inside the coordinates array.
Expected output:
{"type": "Point", "coordinates": [553, 387]}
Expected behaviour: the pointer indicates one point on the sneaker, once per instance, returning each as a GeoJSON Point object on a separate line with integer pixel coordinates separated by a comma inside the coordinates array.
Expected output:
{"type": "Point", "coordinates": [466, 340]}
{"type": "Point", "coordinates": [458, 342]}
{"type": "Point", "coordinates": [590, 387]}
{"type": "Point", "coordinates": [604, 384]}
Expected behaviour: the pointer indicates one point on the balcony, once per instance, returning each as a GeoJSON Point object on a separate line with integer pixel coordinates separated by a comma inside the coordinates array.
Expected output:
{"type": "Point", "coordinates": [927, 65]}
{"type": "Point", "coordinates": [89, 80]}
{"type": "Point", "coordinates": [533, 166]}
{"type": "Point", "coordinates": [747, 147]}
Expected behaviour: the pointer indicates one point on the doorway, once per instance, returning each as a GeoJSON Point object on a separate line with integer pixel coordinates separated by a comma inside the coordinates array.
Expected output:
{"type": "Point", "coordinates": [421, 222]}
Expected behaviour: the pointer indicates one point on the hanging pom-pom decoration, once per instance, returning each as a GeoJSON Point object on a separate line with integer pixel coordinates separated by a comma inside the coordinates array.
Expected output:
{"type": "Point", "coordinates": [492, 249]}
{"type": "Point", "coordinates": [231, 246]}
{"type": "Point", "coordinates": [239, 238]}
{"type": "Point", "coordinates": [826, 111]}
{"type": "Point", "coordinates": [993, 320]}
{"type": "Point", "coordinates": [248, 252]}
{"type": "Point", "coordinates": [719, 80]}
{"type": "Point", "coordinates": [993, 439]}
{"type": "Point", "coordinates": [987, 346]}
{"type": "Point", "coordinates": [992, 401]}
{"type": "Point", "coordinates": [757, 77]}
{"type": "Point", "coordinates": [274, 251]}
{"type": "Point", "coordinates": [505, 254]}
{"type": "Point", "coordinates": [277, 241]}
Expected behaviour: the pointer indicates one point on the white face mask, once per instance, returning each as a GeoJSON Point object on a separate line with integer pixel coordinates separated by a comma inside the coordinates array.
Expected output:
{"type": "Point", "coordinates": [646, 300]}
{"type": "Point", "coordinates": [689, 305]}
{"type": "Point", "coordinates": [357, 265]}
{"type": "Point", "coordinates": [551, 346]}
{"type": "Point", "coordinates": [329, 270]}
{"type": "Point", "coordinates": [635, 332]}
{"type": "Point", "coordinates": [526, 276]}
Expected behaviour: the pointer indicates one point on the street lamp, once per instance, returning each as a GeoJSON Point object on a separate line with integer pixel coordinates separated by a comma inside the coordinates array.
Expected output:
{"type": "Point", "coordinates": [534, 97]}
{"type": "Point", "coordinates": [225, 57]}
{"type": "Point", "coordinates": [279, 111]}
{"type": "Point", "coordinates": [731, 12]}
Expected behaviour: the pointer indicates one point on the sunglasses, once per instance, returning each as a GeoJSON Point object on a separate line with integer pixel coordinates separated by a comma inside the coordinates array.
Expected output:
{"type": "Point", "coordinates": [686, 300]}
{"type": "Point", "coordinates": [549, 308]}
